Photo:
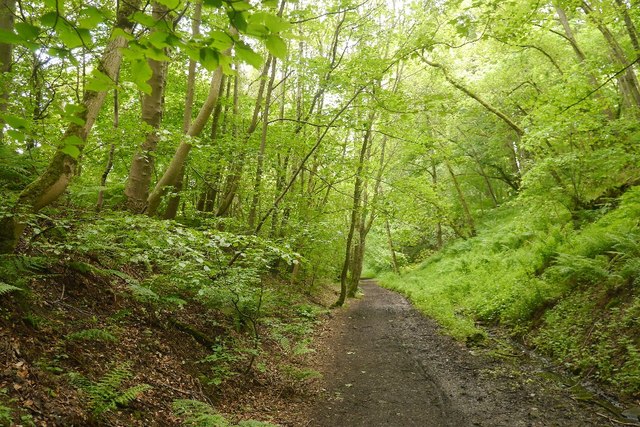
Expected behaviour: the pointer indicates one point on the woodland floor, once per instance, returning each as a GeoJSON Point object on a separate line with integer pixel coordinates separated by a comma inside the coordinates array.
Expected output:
{"type": "Point", "coordinates": [385, 364]}
{"type": "Point", "coordinates": [382, 364]}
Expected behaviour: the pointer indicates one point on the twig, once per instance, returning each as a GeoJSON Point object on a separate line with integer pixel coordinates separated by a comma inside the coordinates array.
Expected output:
{"type": "Point", "coordinates": [613, 420]}
{"type": "Point", "coordinates": [603, 84]}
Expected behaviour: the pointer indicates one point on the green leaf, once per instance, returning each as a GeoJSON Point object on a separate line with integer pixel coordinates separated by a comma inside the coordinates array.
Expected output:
{"type": "Point", "coordinates": [158, 39]}
{"type": "Point", "coordinates": [246, 54]}
{"type": "Point", "coordinates": [193, 53]}
{"type": "Point", "coordinates": [9, 37]}
{"type": "Point", "coordinates": [270, 3]}
{"type": "Point", "coordinates": [73, 140]}
{"type": "Point", "coordinates": [220, 40]}
{"type": "Point", "coordinates": [239, 5]}
{"type": "Point", "coordinates": [71, 150]}
{"type": "Point", "coordinates": [144, 19]}
{"type": "Point", "coordinates": [17, 135]}
{"type": "Point", "coordinates": [27, 31]}
{"type": "Point", "coordinates": [256, 29]}
{"type": "Point", "coordinates": [69, 36]}
{"type": "Point", "coordinates": [209, 58]}
{"type": "Point", "coordinates": [99, 82]}
{"type": "Point", "coordinates": [275, 23]}
{"type": "Point", "coordinates": [171, 4]}
{"type": "Point", "coordinates": [156, 54]}
{"type": "Point", "coordinates": [276, 46]}
{"type": "Point", "coordinates": [91, 17]}
{"type": "Point", "coordinates": [49, 19]}
{"type": "Point", "coordinates": [212, 3]}
{"type": "Point", "coordinates": [141, 72]}
{"type": "Point", "coordinates": [15, 121]}
{"type": "Point", "coordinates": [238, 20]}
{"type": "Point", "coordinates": [119, 32]}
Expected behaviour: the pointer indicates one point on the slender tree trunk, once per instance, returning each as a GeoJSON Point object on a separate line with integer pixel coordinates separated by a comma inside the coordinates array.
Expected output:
{"type": "Point", "coordinates": [355, 213]}
{"type": "Point", "coordinates": [582, 59]}
{"type": "Point", "coordinates": [392, 249]}
{"type": "Point", "coordinates": [434, 182]}
{"type": "Point", "coordinates": [463, 201]}
{"type": "Point", "coordinates": [628, 80]}
{"type": "Point", "coordinates": [196, 19]}
{"type": "Point", "coordinates": [174, 199]}
{"type": "Point", "coordinates": [255, 202]}
{"type": "Point", "coordinates": [7, 8]}
{"type": "Point", "coordinates": [56, 177]}
{"type": "Point", "coordinates": [632, 31]}
{"type": "Point", "coordinates": [233, 180]}
{"type": "Point", "coordinates": [103, 178]}
{"type": "Point", "coordinates": [455, 83]}
{"type": "Point", "coordinates": [112, 148]}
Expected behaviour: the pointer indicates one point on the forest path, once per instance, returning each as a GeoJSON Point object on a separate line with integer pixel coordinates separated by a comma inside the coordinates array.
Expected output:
{"type": "Point", "coordinates": [385, 364]}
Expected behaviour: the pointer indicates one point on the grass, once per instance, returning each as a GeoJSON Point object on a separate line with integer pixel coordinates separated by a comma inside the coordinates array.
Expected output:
{"type": "Point", "coordinates": [571, 292]}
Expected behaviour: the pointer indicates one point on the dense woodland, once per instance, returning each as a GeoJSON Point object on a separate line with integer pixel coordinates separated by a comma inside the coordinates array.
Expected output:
{"type": "Point", "coordinates": [229, 156]}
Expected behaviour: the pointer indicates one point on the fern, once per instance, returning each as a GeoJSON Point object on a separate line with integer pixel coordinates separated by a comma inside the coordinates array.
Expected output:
{"type": "Point", "coordinates": [142, 293]}
{"type": "Point", "coordinates": [107, 393]}
{"type": "Point", "coordinates": [6, 288]}
{"type": "Point", "coordinates": [92, 335]}
{"type": "Point", "coordinates": [198, 414]}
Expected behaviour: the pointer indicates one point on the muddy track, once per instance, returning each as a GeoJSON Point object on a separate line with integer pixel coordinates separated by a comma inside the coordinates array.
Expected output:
{"type": "Point", "coordinates": [384, 364]}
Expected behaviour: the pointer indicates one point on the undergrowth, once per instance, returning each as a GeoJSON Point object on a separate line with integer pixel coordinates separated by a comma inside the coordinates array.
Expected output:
{"type": "Point", "coordinates": [570, 289]}
{"type": "Point", "coordinates": [87, 286]}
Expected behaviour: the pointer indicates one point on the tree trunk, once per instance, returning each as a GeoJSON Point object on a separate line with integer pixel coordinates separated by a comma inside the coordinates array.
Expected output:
{"type": "Point", "coordinates": [255, 202]}
{"type": "Point", "coordinates": [56, 177]}
{"type": "Point", "coordinates": [355, 213]}
{"type": "Point", "coordinates": [172, 173]}
{"type": "Point", "coordinates": [463, 201]}
{"type": "Point", "coordinates": [434, 182]}
{"type": "Point", "coordinates": [137, 187]}
{"type": "Point", "coordinates": [105, 175]}
{"type": "Point", "coordinates": [506, 119]}
{"type": "Point", "coordinates": [628, 80]}
{"type": "Point", "coordinates": [392, 249]}
{"type": "Point", "coordinates": [191, 77]}
{"type": "Point", "coordinates": [174, 199]}
{"type": "Point", "coordinates": [7, 8]}
{"type": "Point", "coordinates": [629, 25]}
{"type": "Point", "coordinates": [233, 180]}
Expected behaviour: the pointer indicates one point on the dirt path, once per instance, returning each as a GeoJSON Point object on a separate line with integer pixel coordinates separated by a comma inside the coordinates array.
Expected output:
{"type": "Point", "coordinates": [384, 364]}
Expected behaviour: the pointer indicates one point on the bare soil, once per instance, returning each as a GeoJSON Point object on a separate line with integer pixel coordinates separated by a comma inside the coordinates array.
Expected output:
{"type": "Point", "coordinates": [385, 364]}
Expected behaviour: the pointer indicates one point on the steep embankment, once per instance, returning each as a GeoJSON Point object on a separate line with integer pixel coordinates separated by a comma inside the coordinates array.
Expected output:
{"type": "Point", "coordinates": [568, 286]}
{"type": "Point", "coordinates": [130, 321]}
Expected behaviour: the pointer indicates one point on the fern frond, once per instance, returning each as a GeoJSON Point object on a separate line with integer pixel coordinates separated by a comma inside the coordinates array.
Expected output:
{"type": "Point", "coordinates": [92, 335]}
{"type": "Point", "coordinates": [106, 395]}
{"type": "Point", "coordinates": [131, 394]}
{"type": "Point", "coordinates": [143, 294]}
{"type": "Point", "coordinates": [198, 414]}
{"type": "Point", "coordinates": [5, 288]}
